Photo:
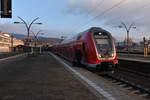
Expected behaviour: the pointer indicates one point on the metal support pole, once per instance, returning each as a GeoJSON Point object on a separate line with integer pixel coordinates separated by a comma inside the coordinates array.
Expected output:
{"type": "Point", "coordinates": [12, 43]}
{"type": "Point", "coordinates": [128, 41]}
{"type": "Point", "coordinates": [127, 30]}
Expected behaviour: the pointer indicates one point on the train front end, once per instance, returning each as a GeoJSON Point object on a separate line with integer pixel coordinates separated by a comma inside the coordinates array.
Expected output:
{"type": "Point", "coordinates": [105, 51]}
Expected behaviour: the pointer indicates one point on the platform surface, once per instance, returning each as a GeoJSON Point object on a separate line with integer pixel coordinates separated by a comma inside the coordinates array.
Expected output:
{"type": "Point", "coordinates": [134, 57]}
{"type": "Point", "coordinates": [40, 78]}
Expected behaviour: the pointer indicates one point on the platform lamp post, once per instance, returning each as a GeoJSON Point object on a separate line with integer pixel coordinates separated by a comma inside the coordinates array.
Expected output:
{"type": "Point", "coordinates": [36, 35]}
{"type": "Point", "coordinates": [36, 38]}
{"type": "Point", "coordinates": [123, 25]}
{"type": "Point", "coordinates": [12, 42]}
{"type": "Point", "coordinates": [28, 26]}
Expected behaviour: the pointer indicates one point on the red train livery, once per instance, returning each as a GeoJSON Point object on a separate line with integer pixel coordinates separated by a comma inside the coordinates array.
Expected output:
{"type": "Point", "coordinates": [94, 48]}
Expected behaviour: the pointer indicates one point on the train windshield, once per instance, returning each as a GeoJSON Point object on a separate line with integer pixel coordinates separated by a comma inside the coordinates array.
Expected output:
{"type": "Point", "coordinates": [104, 44]}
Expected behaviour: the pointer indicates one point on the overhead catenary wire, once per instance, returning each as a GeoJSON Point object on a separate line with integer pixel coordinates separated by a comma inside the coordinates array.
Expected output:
{"type": "Point", "coordinates": [134, 10]}
{"type": "Point", "coordinates": [99, 15]}
{"type": "Point", "coordinates": [141, 19]}
{"type": "Point", "coordinates": [97, 6]}
{"type": "Point", "coordinates": [107, 10]}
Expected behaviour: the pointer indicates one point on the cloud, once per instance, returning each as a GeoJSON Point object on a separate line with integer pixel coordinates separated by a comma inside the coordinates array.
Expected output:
{"type": "Point", "coordinates": [20, 29]}
{"type": "Point", "coordinates": [11, 28]}
{"type": "Point", "coordinates": [130, 11]}
{"type": "Point", "coordinates": [57, 32]}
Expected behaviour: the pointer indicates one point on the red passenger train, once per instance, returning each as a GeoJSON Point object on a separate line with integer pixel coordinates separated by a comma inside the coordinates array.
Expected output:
{"type": "Point", "coordinates": [94, 48]}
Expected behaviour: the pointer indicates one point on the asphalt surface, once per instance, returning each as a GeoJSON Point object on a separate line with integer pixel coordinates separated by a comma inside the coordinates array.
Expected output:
{"type": "Point", "coordinates": [40, 78]}
{"type": "Point", "coordinates": [4, 55]}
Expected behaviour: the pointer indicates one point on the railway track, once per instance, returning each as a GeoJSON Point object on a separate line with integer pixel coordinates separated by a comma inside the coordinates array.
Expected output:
{"type": "Point", "coordinates": [126, 76]}
{"type": "Point", "coordinates": [134, 79]}
{"type": "Point", "coordinates": [138, 81]}
{"type": "Point", "coordinates": [135, 72]}
{"type": "Point", "coordinates": [126, 83]}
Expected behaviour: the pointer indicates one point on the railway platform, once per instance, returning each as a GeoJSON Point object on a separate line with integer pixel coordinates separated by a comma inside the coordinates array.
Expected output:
{"type": "Point", "coordinates": [4, 55]}
{"type": "Point", "coordinates": [47, 77]}
{"type": "Point", "coordinates": [40, 78]}
{"type": "Point", "coordinates": [134, 57]}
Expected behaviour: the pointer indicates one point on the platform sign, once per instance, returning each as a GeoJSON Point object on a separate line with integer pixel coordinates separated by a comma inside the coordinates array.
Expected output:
{"type": "Point", "coordinates": [5, 8]}
{"type": "Point", "coordinates": [145, 47]}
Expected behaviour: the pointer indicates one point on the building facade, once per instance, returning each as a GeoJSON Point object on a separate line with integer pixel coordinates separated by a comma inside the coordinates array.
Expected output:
{"type": "Point", "coordinates": [7, 42]}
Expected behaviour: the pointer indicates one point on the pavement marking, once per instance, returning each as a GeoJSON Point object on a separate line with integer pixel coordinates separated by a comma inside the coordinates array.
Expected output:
{"type": "Point", "coordinates": [12, 57]}
{"type": "Point", "coordinates": [92, 84]}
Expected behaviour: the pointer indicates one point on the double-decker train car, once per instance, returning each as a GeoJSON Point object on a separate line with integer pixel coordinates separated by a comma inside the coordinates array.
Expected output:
{"type": "Point", "coordinates": [94, 48]}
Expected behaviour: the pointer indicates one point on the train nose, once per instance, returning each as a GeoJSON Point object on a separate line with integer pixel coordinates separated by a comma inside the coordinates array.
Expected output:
{"type": "Point", "coordinates": [106, 66]}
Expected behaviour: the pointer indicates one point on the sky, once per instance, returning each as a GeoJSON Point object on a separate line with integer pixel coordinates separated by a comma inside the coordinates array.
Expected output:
{"type": "Point", "coordinates": [69, 17]}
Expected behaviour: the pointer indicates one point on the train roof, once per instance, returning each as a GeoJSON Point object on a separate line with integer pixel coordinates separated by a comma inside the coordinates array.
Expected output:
{"type": "Point", "coordinates": [72, 38]}
{"type": "Point", "coordinates": [98, 29]}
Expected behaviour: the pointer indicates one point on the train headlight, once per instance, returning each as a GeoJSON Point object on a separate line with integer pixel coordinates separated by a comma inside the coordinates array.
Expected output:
{"type": "Point", "coordinates": [113, 54]}
{"type": "Point", "coordinates": [99, 55]}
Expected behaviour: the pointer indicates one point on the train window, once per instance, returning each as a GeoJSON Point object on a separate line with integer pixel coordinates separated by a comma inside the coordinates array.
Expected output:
{"type": "Point", "coordinates": [102, 41]}
{"type": "Point", "coordinates": [103, 44]}
{"type": "Point", "coordinates": [101, 36]}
